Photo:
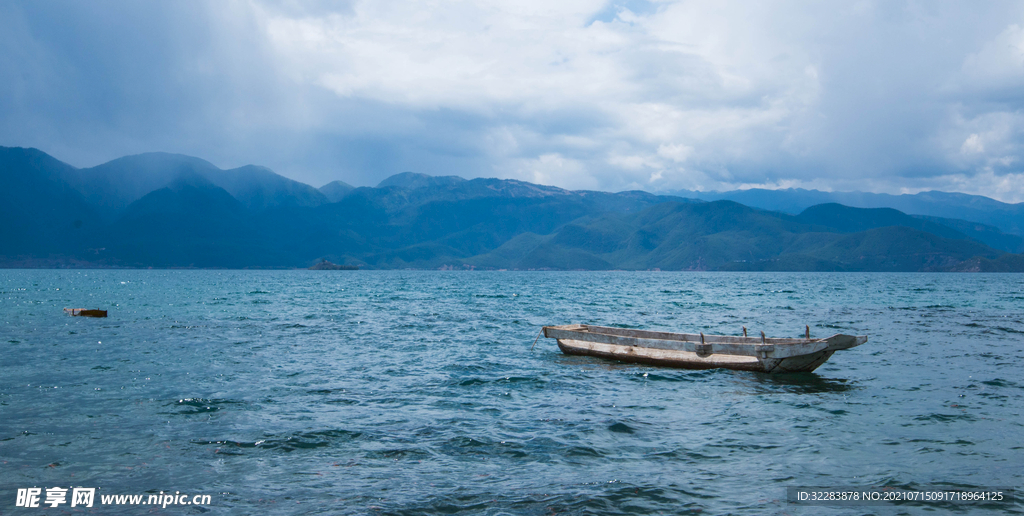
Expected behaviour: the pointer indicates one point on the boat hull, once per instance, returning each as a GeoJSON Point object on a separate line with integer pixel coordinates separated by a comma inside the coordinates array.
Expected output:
{"type": "Point", "coordinates": [680, 350]}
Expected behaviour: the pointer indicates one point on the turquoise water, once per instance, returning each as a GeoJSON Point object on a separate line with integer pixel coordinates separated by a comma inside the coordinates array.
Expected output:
{"type": "Point", "coordinates": [302, 392]}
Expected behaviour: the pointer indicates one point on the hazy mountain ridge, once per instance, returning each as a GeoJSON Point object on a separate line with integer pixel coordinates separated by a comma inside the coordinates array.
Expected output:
{"type": "Point", "coordinates": [116, 184]}
{"type": "Point", "coordinates": [196, 215]}
{"type": "Point", "coordinates": [729, 236]}
{"type": "Point", "coordinates": [1009, 218]}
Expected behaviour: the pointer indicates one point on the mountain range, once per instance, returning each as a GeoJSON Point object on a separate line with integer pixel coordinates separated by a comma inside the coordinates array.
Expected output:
{"type": "Point", "coordinates": [1008, 218]}
{"type": "Point", "coordinates": [169, 210]}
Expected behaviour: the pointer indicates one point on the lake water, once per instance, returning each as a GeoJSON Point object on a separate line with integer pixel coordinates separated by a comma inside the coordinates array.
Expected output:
{"type": "Point", "coordinates": [414, 392]}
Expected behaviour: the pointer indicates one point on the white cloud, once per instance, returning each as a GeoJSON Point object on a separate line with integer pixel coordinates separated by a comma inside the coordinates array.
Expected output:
{"type": "Point", "coordinates": [972, 145]}
{"type": "Point", "coordinates": [676, 152]}
{"type": "Point", "coordinates": [999, 63]}
{"type": "Point", "coordinates": [550, 169]}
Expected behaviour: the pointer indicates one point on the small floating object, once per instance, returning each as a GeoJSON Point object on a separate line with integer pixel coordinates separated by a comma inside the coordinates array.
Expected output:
{"type": "Point", "coordinates": [699, 351]}
{"type": "Point", "coordinates": [85, 312]}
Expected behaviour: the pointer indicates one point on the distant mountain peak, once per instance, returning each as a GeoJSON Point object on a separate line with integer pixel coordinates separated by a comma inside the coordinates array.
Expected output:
{"type": "Point", "coordinates": [156, 162]}
{"type": "Point", "coordinates": [414, 180]}
{"type": "Point", "coordinates": [336, 190]}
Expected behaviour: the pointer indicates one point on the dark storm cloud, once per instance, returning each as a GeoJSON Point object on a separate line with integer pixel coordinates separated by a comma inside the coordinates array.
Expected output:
{"type": "Point", "coordinates": [92, 81]}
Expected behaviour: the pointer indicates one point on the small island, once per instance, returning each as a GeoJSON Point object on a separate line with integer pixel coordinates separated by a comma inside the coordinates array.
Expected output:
{"type": "Point", "coordinates": [328, 266]}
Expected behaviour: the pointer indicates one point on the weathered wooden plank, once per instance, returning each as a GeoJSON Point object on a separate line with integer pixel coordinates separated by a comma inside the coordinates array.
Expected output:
{"type": "Point", "coordinates": [662, 357]}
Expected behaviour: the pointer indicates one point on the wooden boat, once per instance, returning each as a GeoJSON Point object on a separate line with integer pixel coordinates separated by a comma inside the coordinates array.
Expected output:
{"type": "Point", "coordinates": [84, 312]}
{"type": "Point", "coordinates": [699, 351]}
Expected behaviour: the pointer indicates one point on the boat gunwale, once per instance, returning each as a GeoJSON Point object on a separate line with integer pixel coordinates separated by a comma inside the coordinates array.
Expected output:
{"type": "Point", "coordinates": [683, 337]}
{"type": "Point", "coordinates": [703, 345]}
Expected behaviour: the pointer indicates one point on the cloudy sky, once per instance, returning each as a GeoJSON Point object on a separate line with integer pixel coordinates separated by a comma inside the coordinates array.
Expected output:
{"type": "Point", "coordinates": [883, 96]}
